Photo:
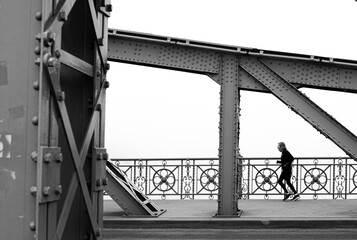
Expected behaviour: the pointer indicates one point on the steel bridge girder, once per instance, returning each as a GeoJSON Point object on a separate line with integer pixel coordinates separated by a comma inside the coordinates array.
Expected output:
{"type": "Point", "coordinates": [320, 76]}
{"type": "Point", "coordinates": [302, 105]}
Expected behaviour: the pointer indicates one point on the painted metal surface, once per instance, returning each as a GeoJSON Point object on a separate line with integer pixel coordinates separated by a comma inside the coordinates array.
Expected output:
{"type": "Point", "coordinates": [52, 91]}
{"type": "Point", "coordinates": [300, 70]}
{"type": "Point", "coordinates": [18, 118]}
{"type": "Point", "coordinates": [51, 118]}
{"type": "Point", "coordinates": [236, 68]}
{"type": "Point", "coordinates": [229, 136]}
{"type": "Point", "coordinates": [83, 86]}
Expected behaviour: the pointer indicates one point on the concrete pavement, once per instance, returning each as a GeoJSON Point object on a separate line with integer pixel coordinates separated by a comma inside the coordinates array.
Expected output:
{"type": "Point", "coordinates": [257, 214]}
{"type": "Point", "coordinates": [230, 234]}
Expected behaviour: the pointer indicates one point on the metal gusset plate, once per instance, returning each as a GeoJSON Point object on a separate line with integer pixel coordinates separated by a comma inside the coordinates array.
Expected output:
{"type": "Point", "coordinates": [100, 177]}
{"type": "Point", "coordinates": [50, 188]}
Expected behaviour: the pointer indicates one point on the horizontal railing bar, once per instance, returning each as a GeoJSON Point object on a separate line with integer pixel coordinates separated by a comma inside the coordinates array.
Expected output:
{"type": "Point", "coordinates": [190, 178]}
{"type": "Point", "coordinates": [245, 158]}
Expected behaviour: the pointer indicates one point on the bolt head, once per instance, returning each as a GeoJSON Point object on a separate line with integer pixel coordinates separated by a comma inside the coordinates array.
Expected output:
{"type": "Point", "coordinates": [105, 181]}
{"type": "Point", "coordinates": [38, 16]}
{"type": "Point", "coordinates": [37, 50]}
{"type": "Point", "coordinates": [46, 191]}
{"type": "Point", "coordinates": [35, 120]}
{"type": "Point", "coordinates": [38, 61]}
{"type": "Point", "coordinates": [98, 182]}
{"type": "Point", "coordinates": [62, 16]}
{"type": "Point", "coordinates": [50, 62]}
{"type": "Point", "coordinates": [47, 157]}
{"type": "Point", "coordinates": [58, 53]}
{"type": "Point", "coordinates": [34, 156]}
{"type": "Point", "coordinates": [33, 190]}
{"type": "Point", "coordinates": [61, 96]}
{"type": "Point", "coordinates": [58, 189]}
{"type": "Point", "coordinates": [59, 157]}
{"type": "Point", "coordinates": [36, 85]}
{"type": "Point", "coordinates": [51, 37]}
{"type": "Point", "coordinates": [32, 226]}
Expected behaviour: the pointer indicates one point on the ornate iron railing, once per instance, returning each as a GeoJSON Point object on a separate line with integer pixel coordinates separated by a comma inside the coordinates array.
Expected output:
{"type": "Point", "coordinates": [197, 178]}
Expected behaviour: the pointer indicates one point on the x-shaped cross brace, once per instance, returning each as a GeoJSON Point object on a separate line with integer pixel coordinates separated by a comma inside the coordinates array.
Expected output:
{"type": "Point", "coordinates": [52, 70]}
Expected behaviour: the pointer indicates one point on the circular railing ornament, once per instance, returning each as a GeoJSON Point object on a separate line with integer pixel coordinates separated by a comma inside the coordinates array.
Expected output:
{"type": "Point", "coordinates": [164, 180]}
{"type": "Point", "coordinates": [209, 179]}
{"type": "Point", "coordinates": [266, 179]}
{"type": "Point", "coordinates": [315, 179]}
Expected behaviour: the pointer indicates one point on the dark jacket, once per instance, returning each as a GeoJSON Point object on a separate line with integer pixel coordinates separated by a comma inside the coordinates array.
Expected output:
{"type": "Point", "coordinates": [286, 160]}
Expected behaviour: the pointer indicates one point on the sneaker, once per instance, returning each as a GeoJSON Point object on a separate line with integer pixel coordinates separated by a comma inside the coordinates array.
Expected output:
{"type": "Point", "coordinates": [296, 197]}
{"type": "Point", "coordinates": [286, 196]}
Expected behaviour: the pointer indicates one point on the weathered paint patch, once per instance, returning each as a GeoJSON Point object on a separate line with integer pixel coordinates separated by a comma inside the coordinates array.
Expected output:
{"type": "Point", "coordinates": [16, 112]}
{"type": "Point", "coordinates": [3, 73]}
{"type": "Point", "coordinates": [12, 173]}
{"type": "Point", "coordinates": [5, 145]}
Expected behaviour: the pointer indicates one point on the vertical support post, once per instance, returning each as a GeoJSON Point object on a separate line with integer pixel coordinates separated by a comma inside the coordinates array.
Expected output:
{"type": "Point", "coordinates": [46, 210]}
{"type": "Point", "coordinates": [229, 132]}
{"type": "Point", "coordinates": [19, 117]}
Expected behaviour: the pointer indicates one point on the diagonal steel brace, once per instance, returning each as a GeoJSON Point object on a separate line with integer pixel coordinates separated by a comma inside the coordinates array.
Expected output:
{"type": "Point", "coordinates": [52, 70]}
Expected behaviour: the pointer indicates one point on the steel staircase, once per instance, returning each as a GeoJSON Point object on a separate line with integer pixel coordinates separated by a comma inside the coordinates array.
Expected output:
{"type": "Point", "coordinates": [124, 192]}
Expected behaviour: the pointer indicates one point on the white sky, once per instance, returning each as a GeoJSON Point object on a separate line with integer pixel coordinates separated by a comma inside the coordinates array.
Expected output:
{"type": "Point", "coordinates": [161, 113]}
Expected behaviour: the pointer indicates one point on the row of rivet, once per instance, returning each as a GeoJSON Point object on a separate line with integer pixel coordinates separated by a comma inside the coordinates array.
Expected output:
{"type": "Point", "coordinates": [49, 38]}
{"type": "Point", "coordinates": [36, 87]}
{"type": "Point", "coordinates": [46, 190]}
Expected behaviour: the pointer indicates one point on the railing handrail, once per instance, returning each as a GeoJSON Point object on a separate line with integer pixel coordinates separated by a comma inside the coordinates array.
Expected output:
{"type": "Point", "coordinates": [189, 178]}
{"type": "Point", "coordinates": [216, 158]}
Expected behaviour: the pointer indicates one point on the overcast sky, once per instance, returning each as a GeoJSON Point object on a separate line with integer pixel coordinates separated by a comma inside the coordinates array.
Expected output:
{"type": "Point", "coordinates": [162, 113]}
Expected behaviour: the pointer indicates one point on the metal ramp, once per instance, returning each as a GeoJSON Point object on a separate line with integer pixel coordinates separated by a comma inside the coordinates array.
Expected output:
{"type": "Point", "coordinates": [124, 192]}
{"type": "Point", "coordinates": [301, 104]}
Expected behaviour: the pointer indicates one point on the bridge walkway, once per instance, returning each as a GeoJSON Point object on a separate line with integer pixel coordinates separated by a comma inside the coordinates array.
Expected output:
{"type": "Point", "coordinates": [257, 214]}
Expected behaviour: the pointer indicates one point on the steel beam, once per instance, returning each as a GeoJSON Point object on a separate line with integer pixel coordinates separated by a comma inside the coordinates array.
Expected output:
{"type": "Point", "coordinates": [202, 57]}
{"type": "Point", "coordinates": [19, 117]}
{"type": "Point", "coordinates": [51, 118]}
{"type": "Point", "coordinates": [259, 70]}
{"type": "Point", "coordinates": [302, 105]}
{"type": "Point", "coordinates": [315, 74]}
{"type": "Point", "coordinates": [229, 137]}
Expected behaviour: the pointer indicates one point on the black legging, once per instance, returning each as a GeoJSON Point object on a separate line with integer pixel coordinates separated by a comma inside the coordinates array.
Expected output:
{"type": "Point", "coordinates": [286, 175]}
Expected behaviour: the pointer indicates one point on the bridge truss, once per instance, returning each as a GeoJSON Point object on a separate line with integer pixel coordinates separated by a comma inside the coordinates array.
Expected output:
{"type": "Point", "coordinates": [52, 96]}
{"type": "Point", "coordinates": [236, 68]}
{"type": "Point", "coordinates": [53, 63]}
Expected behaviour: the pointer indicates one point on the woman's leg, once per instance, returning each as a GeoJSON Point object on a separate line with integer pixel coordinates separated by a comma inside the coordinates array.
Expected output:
{"type": "Point", "coordinates": [291, 186]}
{"type": "Point", "coordinates": [280, 181]}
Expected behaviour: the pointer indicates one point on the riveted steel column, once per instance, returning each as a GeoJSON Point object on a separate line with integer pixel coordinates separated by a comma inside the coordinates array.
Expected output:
{"type": "Point", "coordinates": [49, 154]}
{"type": "Point", "coordinates": [19, 116]}
{"type": "Point", "coordinates": [229, 132]}
{"type": "Point", "coordinates": [35, 126]}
